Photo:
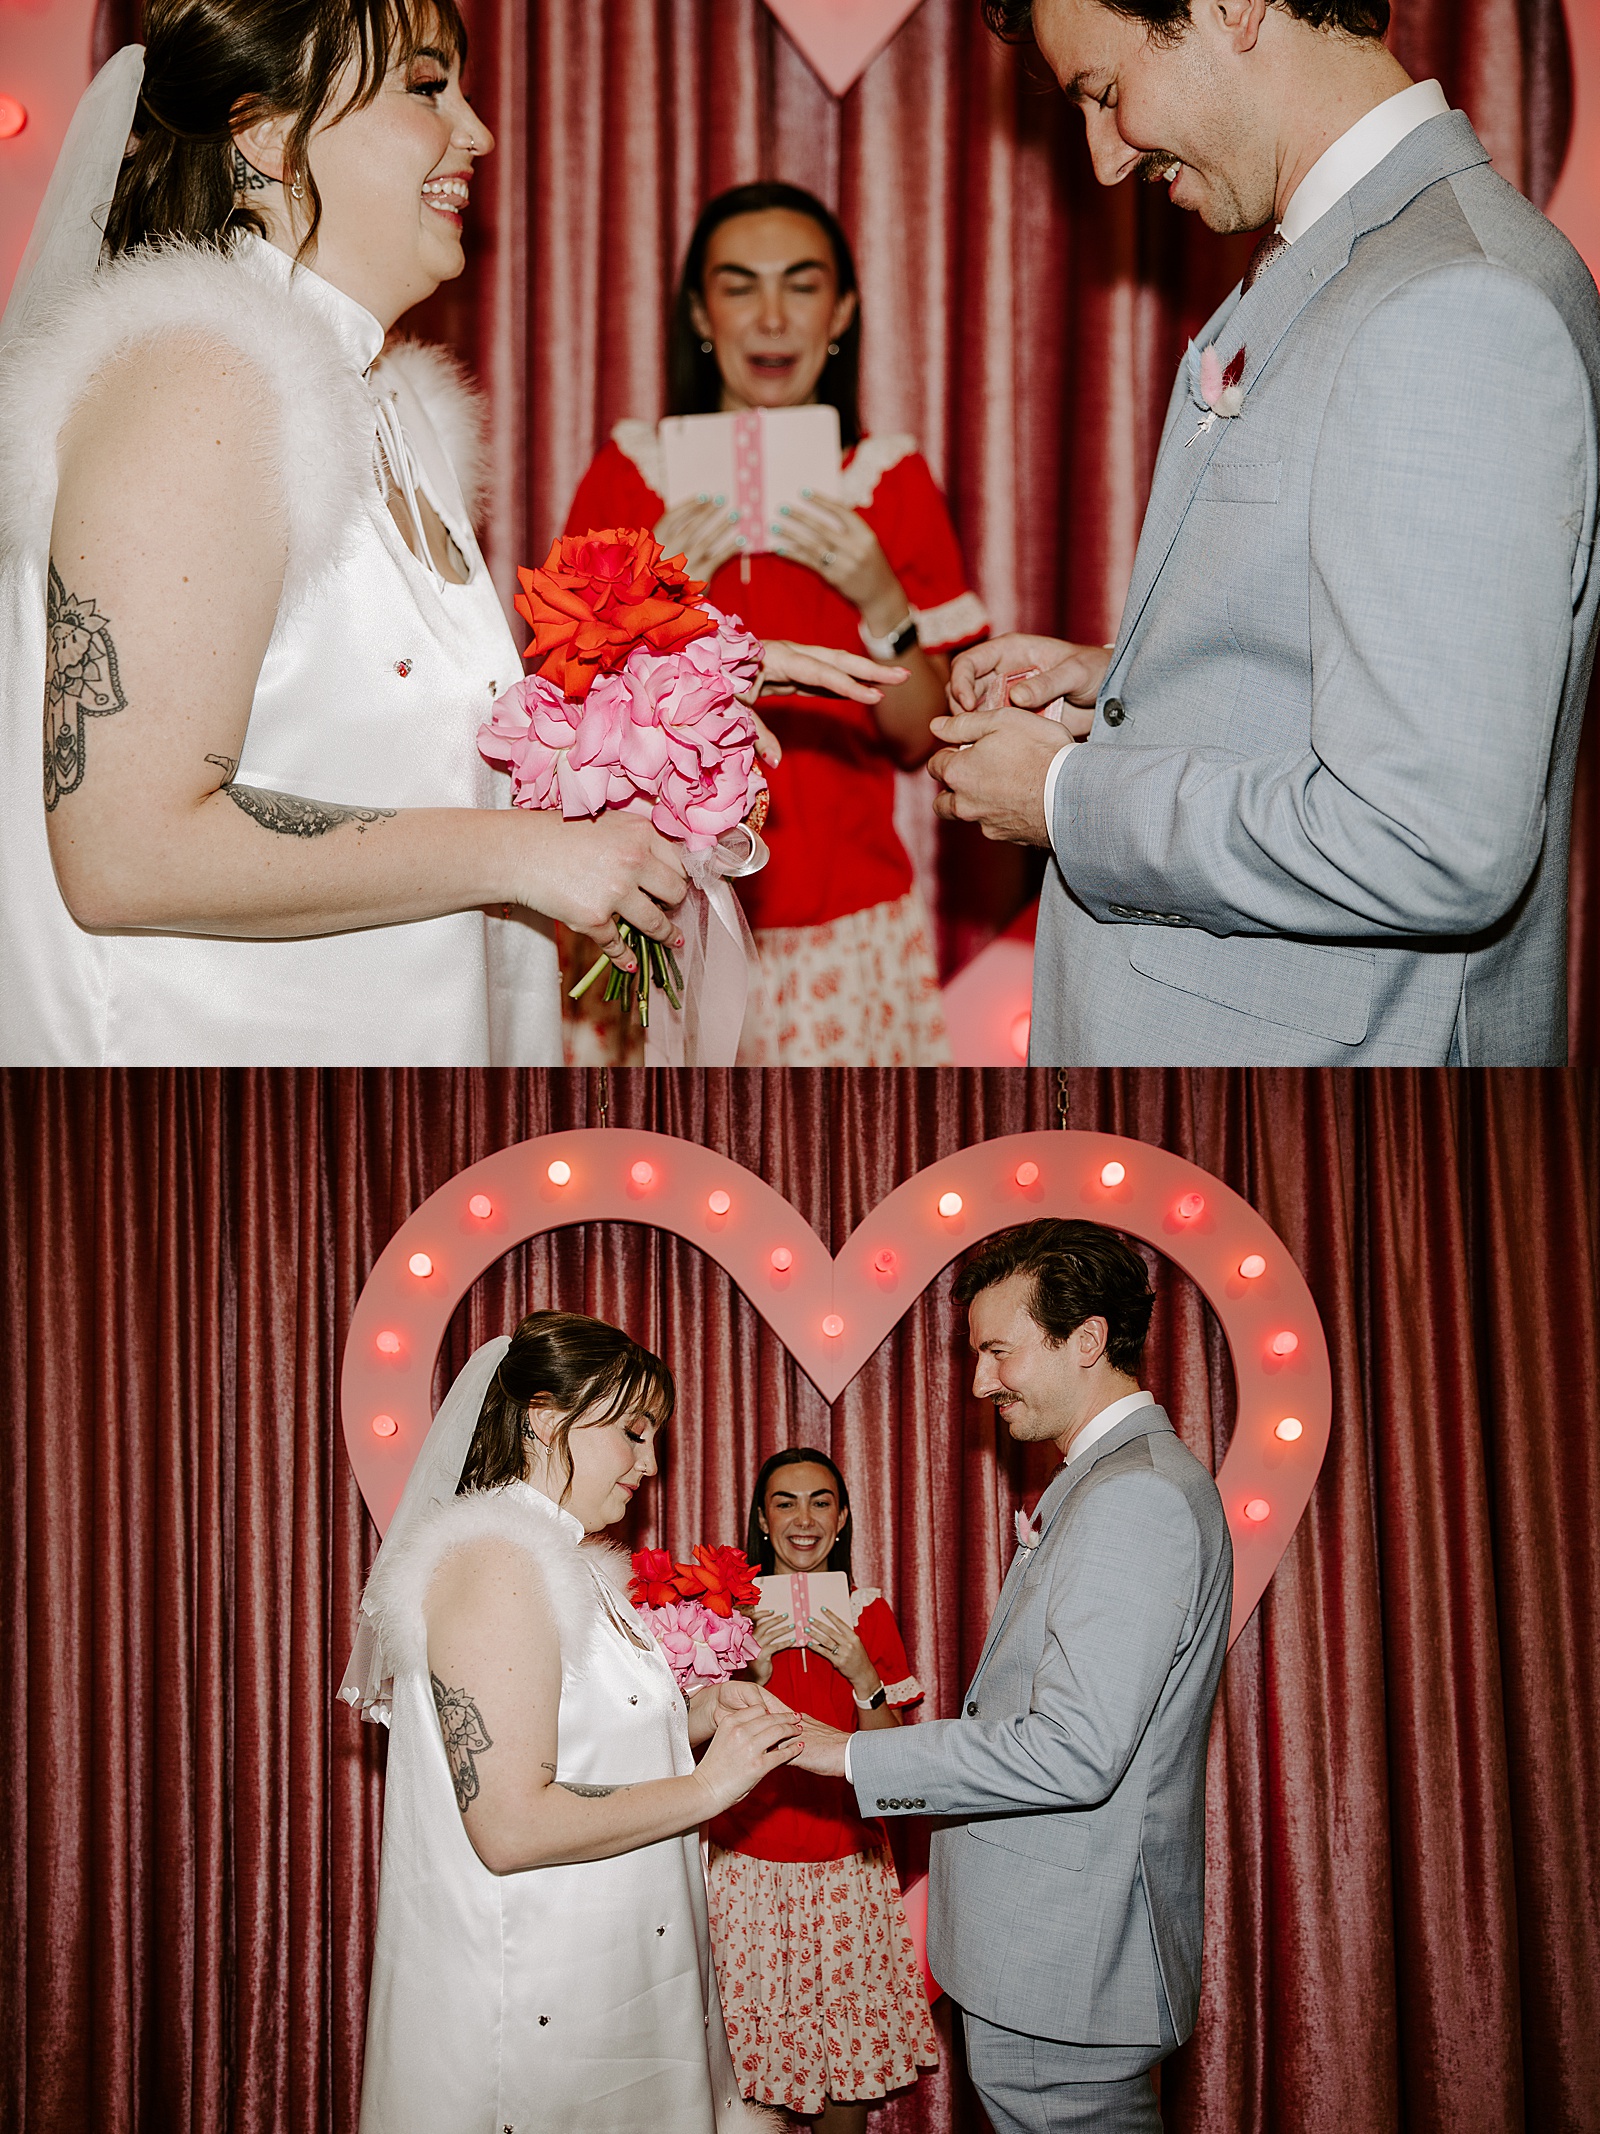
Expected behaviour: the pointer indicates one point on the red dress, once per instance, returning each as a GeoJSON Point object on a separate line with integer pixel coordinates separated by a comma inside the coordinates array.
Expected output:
{"type": "Point", "coordinates": [818, 1977]}
{"type": "Point", "coordinates": [831, 830]}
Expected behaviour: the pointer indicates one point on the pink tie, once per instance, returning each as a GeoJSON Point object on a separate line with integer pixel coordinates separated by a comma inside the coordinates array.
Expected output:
{"type": "Point", "coordinates": [1262, 257]}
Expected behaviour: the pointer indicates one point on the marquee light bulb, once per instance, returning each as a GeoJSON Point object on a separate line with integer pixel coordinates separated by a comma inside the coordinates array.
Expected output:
{"type": "Point", "coordinates": [833, 1326]}
{"type": "Point", "coordinates": [481, 1206]}
{"type": "Point", "coordinates": [388, 1343]}
{"type": "Point", "coordinates": [421, 1266]}
{"type": "Point", "coordinates": [782, 1258]}
{"type": "Point", "coordinates": [1285, 1344]}
{"type": "Point", "coordinates": [1258, 1509]}
{"type": "Point", "coordinates": [1191, 1207]}
{"type": "Point", "coordinates": [1289, 1429]}
{"type": "Point", "coordinates": [1027, 1174]}
{"type": "Point", "coordinates": [642, 1172]}
{"type": "Point", "coordinates": [949, 1204]}
{"type": "Point", "coordinates": [558, 1173]}
{"type": "Point", "coordinates": [884, 1261]}
{"type": "Point", "coordinates": [1252, 1266]}
{"type": "Point", "coordinates": [1113, 1173]}
{"type": "Point", "coordinates": [384, 1426]}
{"type": "Point", "coordinates": [719, 1202]}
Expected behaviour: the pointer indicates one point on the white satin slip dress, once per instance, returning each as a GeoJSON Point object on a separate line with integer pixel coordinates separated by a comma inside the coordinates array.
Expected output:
{"type": "Point", "coordinates": [575, 1999]}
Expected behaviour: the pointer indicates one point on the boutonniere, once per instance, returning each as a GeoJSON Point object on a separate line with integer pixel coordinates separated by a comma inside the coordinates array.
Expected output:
{"type": "Point", "coordinates": [1029, 1531]}
{"type": "Point", "coordinates": [1220, 392]}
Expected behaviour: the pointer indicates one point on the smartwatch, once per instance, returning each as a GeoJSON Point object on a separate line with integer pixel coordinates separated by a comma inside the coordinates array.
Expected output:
{"type": "Point", "coordinates": [870, 1704]}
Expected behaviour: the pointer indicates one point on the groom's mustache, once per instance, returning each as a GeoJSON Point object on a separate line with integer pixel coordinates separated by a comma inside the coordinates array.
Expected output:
{"type": "Point", "coordinates": [1152, 169]}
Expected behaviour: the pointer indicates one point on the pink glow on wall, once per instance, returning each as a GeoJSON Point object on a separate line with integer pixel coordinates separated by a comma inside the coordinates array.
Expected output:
{"type": "Point", "coordinates": [831, 1313]}
{"type": "Point", "coordinates": [44, 69]}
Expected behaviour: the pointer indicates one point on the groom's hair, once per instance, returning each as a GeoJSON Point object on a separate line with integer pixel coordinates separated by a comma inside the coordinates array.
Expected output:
{"type": "Point", "coordinates": [1079, 1271]}
{"type": "Point", "coordinates": [1168, 19]}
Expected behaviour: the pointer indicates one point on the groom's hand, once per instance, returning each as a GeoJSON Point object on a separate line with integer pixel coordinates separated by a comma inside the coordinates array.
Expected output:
{"type": "Point", "coordinates": [1029, 672]}
{"type": "Point", "coordinates": [823, 1749]}
{"type": "Point", "coordinates": [992, 772]}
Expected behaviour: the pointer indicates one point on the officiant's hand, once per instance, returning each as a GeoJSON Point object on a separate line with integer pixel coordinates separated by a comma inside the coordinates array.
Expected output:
{"type": "Point", "coordinates": [838, 544]}
{"type": "Point", "coordinates": [774, 1633]}
{"type": "Point", "coordinates": [705, 531]}
{"type": "Point", "coordinates": [991, 771]}
{"type": "Point", "coordinates": [1040, 669]}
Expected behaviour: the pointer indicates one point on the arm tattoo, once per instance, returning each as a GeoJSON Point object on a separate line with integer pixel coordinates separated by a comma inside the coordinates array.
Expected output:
{"type": "Point", "coordinates": [81, 682]}
{"type": "Point", "coordinates": [465, 1737]}
{"type": "Point", "coordinates": [287, 813]}
{"type": "Point", "coordinates": [588, 1793]}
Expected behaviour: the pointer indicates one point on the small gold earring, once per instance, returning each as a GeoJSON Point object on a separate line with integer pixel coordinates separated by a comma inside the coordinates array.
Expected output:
{"type": "Point", "coordinates": [298, 190]}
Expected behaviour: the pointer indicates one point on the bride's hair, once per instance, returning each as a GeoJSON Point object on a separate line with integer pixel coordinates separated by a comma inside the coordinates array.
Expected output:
{"type": "Point", "coordinates": [583, 1369]}
{"type": "Point", "coordinates": [213, 65]}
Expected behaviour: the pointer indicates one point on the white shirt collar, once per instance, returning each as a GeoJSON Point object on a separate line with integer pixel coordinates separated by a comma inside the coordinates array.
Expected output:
{"type": "Point", "coordinates": [360, 335]}
{"type": "Point", "coordinates": [1107, 1420]}
{"type": "Point", "coordinates": [1339, 169]}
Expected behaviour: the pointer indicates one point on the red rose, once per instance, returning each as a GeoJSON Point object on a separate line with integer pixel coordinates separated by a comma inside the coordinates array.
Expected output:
{"type": "Point", "coordinates": [654, 1583]}
{"type": "Point", "coordinates": [598, 596]}
{"type": "Point", "coordinates": [718, 1578]}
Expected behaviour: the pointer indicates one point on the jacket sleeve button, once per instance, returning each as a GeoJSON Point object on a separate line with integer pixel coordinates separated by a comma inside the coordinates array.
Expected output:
{"type": "Point", "coordinates": [1114, 711]}
{"type": "Point", "coordinates": [883, 1804]}
{"type": "Point", "coordinates": [972, 1711]}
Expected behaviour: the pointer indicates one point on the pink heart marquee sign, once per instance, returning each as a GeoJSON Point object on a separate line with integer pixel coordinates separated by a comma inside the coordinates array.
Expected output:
{"type": "Point", "coordinates": [832, 1313]}
{"type": "Point", "coordinates": [839, 38]}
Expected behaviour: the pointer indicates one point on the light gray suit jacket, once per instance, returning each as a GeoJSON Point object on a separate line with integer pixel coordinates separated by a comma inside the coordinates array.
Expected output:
{"type": "Point", "coordinates": [1078, 1768]}
{"type": "Point", "coordinates": [1323, 814]}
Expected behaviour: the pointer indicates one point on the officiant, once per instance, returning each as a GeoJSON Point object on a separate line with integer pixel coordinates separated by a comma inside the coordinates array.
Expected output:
{"type": "Point", "coordinates": [767, 315]}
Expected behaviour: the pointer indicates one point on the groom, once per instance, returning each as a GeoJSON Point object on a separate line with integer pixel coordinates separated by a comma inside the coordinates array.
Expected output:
{"type": "Point", "coordinates": [1320, 810]}
{"type": "Point", "coordinates": [1065, 1893]}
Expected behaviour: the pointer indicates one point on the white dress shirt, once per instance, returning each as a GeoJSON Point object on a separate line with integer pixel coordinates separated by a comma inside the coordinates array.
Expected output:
{"type": "Point", "coordinates": [1336, 172]}
{"type": "Point", "coordinates": [1107, 1419]}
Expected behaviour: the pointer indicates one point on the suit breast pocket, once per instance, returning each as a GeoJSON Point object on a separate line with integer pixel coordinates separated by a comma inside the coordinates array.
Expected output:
{"type": "Point", "coordinates": [1241, 481]}
{"type": "Point", "coordinates": [1059, 1840]}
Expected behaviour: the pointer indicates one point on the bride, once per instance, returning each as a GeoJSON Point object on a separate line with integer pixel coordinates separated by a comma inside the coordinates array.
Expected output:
{"type": "Point", "coordinates": [542, 1957]}
{"type": "Point", "coordinates": [238, 576]}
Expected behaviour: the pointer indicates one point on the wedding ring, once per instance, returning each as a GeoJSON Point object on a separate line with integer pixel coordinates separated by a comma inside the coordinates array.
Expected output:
{"type": "Point", "coordinates": [828, 558]}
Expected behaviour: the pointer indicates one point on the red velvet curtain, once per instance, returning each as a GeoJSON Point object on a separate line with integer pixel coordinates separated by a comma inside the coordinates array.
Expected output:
{"type": "Point", "coordinates": [1404, 1809]}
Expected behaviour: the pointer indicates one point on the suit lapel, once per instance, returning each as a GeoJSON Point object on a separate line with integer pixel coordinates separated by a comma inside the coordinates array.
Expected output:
{"type": "Point", "coordinates": [1259, 321]}
{"type": "Point", "coordinates": [1142, 1423]}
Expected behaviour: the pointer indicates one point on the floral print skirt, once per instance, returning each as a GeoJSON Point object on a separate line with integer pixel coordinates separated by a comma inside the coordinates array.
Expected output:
{"type": "Point", "coordinates": [820, 1984]}
{"type": "Point", "coordinates": [862, 991]}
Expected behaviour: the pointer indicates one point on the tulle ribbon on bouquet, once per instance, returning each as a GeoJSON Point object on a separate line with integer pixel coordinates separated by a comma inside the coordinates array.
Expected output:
{"type": "Point", "coordinates": [721, 970]}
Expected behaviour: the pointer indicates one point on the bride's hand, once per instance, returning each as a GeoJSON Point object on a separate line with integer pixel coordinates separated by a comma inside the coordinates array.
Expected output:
{"type": "Point", "coordinates": [704, 531]}
{"type": "Point", "coordinates": [824, 670]}
{"type": "Point", "coordinates": [747, 1745]}
{"type": "Point", "coordinates": [590, 874]}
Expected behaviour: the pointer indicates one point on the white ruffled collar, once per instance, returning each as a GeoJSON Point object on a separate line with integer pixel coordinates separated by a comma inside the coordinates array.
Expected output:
{"type": "Point", "coordinates": [358, 332]}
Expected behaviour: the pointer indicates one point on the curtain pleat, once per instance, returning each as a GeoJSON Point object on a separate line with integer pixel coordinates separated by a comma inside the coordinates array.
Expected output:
{"type": "Point", "coordinates": [1403, 1819]}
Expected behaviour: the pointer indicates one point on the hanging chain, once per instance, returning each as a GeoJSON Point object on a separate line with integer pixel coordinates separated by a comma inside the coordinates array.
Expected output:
{"type": "Point", "coordinates": [604, 1100]}
{"type": "Point", "coordinates": [1063, 1100]}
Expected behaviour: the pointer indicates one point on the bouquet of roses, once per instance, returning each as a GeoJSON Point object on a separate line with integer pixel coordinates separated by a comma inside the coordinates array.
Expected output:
{"type": "Point", "coordinates": [634, 704]}
{"type": "Point", "coordinates": [693, 1610]}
